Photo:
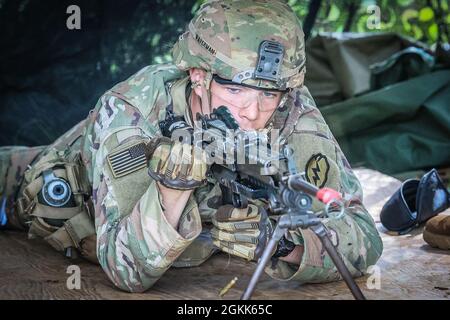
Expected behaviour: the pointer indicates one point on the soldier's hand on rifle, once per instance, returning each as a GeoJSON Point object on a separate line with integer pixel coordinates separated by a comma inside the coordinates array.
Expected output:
{"type": "Point", "coordinates": [177, 165]}
{"type": "Point", "coordinates": [241, 232]}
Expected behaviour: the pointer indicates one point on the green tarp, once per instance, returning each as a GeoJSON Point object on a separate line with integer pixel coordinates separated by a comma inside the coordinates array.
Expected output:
{"type": "Point", "coordinates": [405, 125]}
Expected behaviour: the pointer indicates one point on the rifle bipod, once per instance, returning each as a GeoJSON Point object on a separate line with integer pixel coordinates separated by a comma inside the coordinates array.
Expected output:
{"type": "Point", "coordinates": [304, 221]}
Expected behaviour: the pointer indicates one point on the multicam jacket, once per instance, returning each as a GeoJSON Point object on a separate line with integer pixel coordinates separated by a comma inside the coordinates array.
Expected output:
{"type": "Point", "coordinates": [136, 244]}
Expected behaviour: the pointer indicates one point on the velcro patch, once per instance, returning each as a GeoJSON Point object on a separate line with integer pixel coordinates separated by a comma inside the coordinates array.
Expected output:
{"type": "Point", "coordinates": [129, 160]}
{"type": "Point", "coordinates": [317, 169]}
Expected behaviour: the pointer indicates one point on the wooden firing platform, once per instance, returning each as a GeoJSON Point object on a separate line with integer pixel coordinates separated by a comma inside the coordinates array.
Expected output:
{"type": "Point", "coordinates": [410, 269]}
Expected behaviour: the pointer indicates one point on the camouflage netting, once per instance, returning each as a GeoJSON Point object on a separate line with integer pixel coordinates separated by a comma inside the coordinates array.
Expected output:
{"type": "Point", "coordinates": [50, 77]}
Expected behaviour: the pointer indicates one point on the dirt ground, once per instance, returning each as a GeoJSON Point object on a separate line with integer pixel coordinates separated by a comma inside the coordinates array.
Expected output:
{"type": "Point", "coordinates": [409, 269]}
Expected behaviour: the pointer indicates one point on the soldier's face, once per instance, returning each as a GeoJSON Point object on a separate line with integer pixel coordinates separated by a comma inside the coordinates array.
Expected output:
{"type": "Point", "coordinates": [251, 108]}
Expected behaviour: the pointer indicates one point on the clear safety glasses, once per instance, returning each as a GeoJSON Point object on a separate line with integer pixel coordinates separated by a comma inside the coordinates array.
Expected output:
{"type": "Point", "coordinates": [242, 97]}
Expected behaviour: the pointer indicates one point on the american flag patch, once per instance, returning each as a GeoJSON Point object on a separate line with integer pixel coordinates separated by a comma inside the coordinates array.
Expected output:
{"type": "Point", "coordinates": [128, 160]}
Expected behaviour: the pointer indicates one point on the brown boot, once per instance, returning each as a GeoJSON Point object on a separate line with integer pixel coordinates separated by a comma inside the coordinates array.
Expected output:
{"type": "Point", "coordinates": [437, 232]}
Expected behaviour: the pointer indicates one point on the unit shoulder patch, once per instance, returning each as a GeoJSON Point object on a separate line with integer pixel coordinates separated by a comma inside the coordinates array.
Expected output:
{"type": "Point", "coordinates": [316, 170]}
{"type": "Point", "coordinates": [128, 160]}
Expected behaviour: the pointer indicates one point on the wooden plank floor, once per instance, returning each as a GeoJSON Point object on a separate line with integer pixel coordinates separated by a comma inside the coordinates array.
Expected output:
{"type": "Point", "coordinates": [410, 269]}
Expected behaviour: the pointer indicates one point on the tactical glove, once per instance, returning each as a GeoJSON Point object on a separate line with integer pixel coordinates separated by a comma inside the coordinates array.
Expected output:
{"type": "Point", "coordinates": [177, 165]}
{"type": "Point", "coordinates": [242, 232]}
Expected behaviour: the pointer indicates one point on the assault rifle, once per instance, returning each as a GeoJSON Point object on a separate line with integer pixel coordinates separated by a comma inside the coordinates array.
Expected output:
{"type": "Point", "coordinates": [271, 176]}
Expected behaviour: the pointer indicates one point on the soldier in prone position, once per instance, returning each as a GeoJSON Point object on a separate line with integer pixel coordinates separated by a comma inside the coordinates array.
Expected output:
{"type": "Point", "coordinates": [99, 190]}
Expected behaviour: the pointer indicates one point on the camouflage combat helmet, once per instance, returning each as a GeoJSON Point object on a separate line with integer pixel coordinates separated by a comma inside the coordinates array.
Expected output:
{"type": "Point", "coordinates": [258, 43]}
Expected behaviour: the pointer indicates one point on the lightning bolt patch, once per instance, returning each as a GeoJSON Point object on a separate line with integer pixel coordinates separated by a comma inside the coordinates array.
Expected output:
{"type": "Point", "coordinates": [317, 169]}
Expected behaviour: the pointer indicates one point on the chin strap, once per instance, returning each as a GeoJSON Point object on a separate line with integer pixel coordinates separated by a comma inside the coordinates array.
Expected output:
{"type": "Point", "coordinates": [206, 93]}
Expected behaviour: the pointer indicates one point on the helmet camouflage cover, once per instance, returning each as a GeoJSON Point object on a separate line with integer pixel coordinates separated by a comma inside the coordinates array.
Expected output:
{"type": "Point", "coordinates": [244, 41]}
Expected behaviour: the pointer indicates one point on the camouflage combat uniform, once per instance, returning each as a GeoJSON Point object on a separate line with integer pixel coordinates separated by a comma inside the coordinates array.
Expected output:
{"type": "Point", "coordinates": [136, 244]}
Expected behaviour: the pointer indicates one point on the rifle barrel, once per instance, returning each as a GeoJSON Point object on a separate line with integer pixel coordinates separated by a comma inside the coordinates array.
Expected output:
{"type": "Point", "coordinates": [296, 182]}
